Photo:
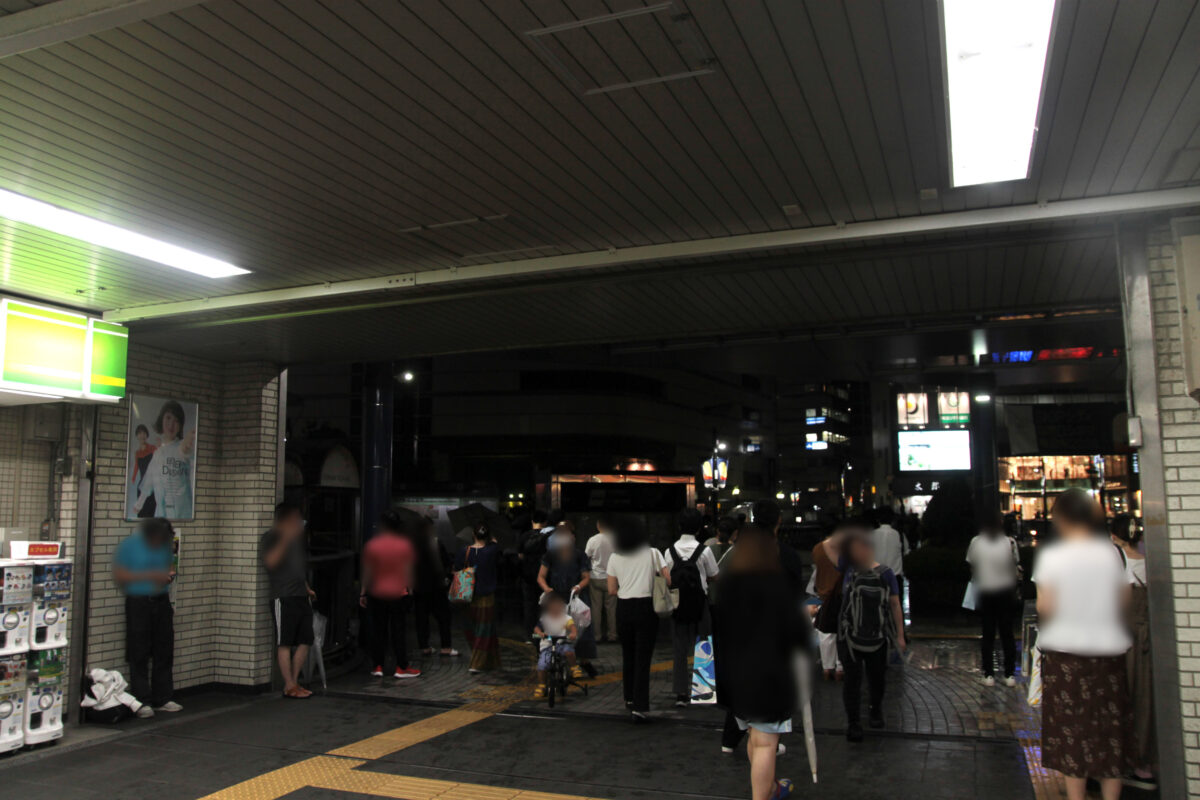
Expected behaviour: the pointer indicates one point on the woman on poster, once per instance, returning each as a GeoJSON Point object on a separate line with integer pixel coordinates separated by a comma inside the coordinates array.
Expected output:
{"type": "Point", "coordinates": [169, 477]}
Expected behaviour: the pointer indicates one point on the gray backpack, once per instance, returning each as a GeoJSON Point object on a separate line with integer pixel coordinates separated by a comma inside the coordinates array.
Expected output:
{"type": "Point", "coordinates": [866, 622]}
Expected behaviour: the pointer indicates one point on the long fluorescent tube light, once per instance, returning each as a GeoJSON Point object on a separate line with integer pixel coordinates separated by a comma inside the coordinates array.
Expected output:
{"type": "Point", "coordinates": [995, 56]}
{"type": "Point", "coordinates": [52, 218]}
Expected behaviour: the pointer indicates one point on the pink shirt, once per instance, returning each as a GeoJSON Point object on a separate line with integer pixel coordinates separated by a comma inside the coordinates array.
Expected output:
{"type": "Point", "coordinates": [389, 560]}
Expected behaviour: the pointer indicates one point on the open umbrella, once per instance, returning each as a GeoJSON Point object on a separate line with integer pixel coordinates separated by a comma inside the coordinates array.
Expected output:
{"type": "Point", "coordinates": [469, 516]}
{"type": "Point", "coordinates": [804, 675]}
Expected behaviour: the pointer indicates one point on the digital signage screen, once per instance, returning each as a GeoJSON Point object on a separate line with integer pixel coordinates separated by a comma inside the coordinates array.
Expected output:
{"type": "Point", "coordinates": [934, 451]}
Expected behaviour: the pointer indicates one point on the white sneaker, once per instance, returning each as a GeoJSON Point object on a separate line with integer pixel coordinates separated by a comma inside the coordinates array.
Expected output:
{"type": "Point", "coordinates": [1010, 681]}
{"type": "Point", "coordinates": [145, 712]}
{"type": "Point", "coordinates": [170, 706]}
{"type": "Point", "coordinates": [726, 750]}
{"type": "Point", "coordinates": [988, 681]}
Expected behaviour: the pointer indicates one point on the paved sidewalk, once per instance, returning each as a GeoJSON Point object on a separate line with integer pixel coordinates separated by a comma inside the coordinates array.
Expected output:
{"type": "Point", "coordinates": [937, 693]}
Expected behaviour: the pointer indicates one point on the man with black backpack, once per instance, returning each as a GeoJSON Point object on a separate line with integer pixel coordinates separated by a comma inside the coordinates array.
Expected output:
{"type": "Point", "coordinates": [870, 622]}
{"type": "Point", "coordinates": [692, 566]}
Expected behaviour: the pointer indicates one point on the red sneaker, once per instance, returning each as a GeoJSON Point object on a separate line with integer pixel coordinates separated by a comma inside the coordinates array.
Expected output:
{"type": "Point", "coordinates": [410, 672]}
{"type": "Point", "coordinates": [377, 672]}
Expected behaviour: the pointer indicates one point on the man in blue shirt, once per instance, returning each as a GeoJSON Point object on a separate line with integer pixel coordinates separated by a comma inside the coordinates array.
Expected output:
{"type": "Point", "coordinates": [144, 567]}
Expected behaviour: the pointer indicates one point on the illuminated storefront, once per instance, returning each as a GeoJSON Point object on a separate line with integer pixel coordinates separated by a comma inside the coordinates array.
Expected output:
{"type": "Point", "coordinates": [1028, 484]}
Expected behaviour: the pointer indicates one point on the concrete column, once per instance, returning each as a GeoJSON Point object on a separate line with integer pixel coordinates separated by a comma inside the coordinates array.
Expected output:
{"type": "Point", "coordinates": [985, 486]}
{"type": "Point", "coordinates": [1152, 344]}
{"type": "Point", "coordinates": [882, 399]}
{"type": "Point", "coordinates": [378, 421]}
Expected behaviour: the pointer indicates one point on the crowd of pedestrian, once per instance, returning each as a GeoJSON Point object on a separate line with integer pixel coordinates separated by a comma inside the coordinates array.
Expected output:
{"type": "Point", "coordinates": [734, 584]}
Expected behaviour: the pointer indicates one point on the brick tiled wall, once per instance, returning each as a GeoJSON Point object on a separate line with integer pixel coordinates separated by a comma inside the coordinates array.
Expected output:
{"type": "Point", "coordinates": [24, 474]}
{"type": "Point", "coordinates": [1180, 419]}
{"type": "Point", "coordinates": [222, 623]}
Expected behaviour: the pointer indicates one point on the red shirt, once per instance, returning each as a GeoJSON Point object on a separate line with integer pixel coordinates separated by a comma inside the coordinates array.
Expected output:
{"type": "Point", "coordinates": [389, 562]}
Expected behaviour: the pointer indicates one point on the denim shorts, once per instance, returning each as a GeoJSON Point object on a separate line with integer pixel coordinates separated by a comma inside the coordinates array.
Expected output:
{"type": "Point", "coordinates": [766, 727]}
{"type": "Point", "coordinates": [544, 656]}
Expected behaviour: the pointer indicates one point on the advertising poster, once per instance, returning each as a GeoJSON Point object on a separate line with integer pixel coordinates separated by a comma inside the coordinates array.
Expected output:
{"type": "Point", "coordinates": [954, 408]}
{"type": "Point", "coordinates": [912, 408]}
{"type": "Point", "coordinates": [161, 475]}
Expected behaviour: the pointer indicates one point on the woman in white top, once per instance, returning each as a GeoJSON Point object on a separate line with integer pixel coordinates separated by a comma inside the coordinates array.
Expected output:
{"type": "Point", "coordinates": [994, 564]}
{"type": "Point", "coordinates": [1083, 591]}
{"type": "Point", "coordinates": [631, 571]}
{"type": "Point", "coordinates": [1125, 535]}
{"type": "Point", "coordinates": [169, 476]}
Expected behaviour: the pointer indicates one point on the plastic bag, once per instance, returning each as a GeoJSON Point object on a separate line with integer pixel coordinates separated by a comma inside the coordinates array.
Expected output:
{"type": "Point", "coordinates": [580, 612]}
{"type": "Point", "coordinates": [969, 597]}
{"type": "Point", "coordinates": [1034, 697]}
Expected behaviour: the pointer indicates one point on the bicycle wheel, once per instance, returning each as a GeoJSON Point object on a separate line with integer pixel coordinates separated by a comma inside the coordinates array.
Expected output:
{"type": "Point", "coordinates": [551, 687]}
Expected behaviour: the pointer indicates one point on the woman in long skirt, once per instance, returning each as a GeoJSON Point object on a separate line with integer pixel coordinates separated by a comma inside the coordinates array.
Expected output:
{"type": "Point", "coordinates": [1083, 591]}
{"type": "Point", "coordinates": [484, 556]}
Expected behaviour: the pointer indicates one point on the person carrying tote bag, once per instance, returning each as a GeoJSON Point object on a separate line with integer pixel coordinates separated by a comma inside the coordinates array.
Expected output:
{"type": "Point", "coordinates": [462, 585]}
{"type": "Point", "coordinates": [638, 577]}
{"type": "Point", "coordinates": [476, 571]}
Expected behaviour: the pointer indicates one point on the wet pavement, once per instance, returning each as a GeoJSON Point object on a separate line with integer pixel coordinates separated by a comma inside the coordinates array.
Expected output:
{"type": "Point", "coordinates": [450, 734]}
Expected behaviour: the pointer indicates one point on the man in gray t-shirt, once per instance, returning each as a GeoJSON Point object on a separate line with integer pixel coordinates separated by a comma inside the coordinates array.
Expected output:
{"type": "Point", "coordinates": [284, 553]}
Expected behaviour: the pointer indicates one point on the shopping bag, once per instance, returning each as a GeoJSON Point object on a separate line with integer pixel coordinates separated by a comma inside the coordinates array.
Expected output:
{"type": "Point", "coordinates": [580, 612]}
{"type": "Point", "coordinates": [969, 597]}
{"type": "Point", "coordinates": [1034, 697]}
{"type": "Point", "coordinates": [666, 599]}
{"type": "Point", "coordinates": [704, 672]}
{"type": "Point", "coordinates": [462, 586]}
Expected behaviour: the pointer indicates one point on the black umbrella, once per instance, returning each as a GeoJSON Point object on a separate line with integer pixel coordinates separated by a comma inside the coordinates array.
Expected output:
{"type": "Point", "coordinates": [465, 519]}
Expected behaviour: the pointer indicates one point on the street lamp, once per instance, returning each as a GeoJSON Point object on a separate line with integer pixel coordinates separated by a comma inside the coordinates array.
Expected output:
{"type": "Point", "coordinates": [716, 473]}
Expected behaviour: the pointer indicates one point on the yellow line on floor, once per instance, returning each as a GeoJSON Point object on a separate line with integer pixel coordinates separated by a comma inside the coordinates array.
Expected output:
{"type": "Point", "coordinates": [615, 677]}
{"type": "Point", "coordinates": [343, 775]}
{"type": "Point", "coordinates": [398, 739]}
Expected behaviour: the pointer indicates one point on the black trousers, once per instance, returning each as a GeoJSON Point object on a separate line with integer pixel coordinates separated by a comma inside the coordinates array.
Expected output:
{"type": "Point", "coordinates": [731, 734]}
{"type": "Point", "coordinates": [637, 625]}
{"type": "Point", "coordinates": [387, 623]}
{"type": "Point", "coordinates": [997, 610]}
{"type": "Point", "coordinates": [437, 604]}
{"type": "Point", "coordinates": [531, 612]}
{"type": "Point", "coordinates": [874, 666]}
{"type": "Point", "coordinates": [150, 637]}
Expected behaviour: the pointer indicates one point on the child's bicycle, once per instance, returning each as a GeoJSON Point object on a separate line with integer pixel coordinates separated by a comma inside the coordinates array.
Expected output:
{"type": "Point", "coordinates": [558, 671]}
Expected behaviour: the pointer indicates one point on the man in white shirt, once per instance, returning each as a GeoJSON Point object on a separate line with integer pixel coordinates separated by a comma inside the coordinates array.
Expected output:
{"type": "Point", "coordinates": [687, 626]}
{"type": "Point", "coordinates": [599, 549]}
{"type": "Point", "coordinates": [890, 546]}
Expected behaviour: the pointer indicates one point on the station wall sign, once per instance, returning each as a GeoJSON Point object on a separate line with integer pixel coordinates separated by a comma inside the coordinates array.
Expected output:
{"type": "Point", "coordinates": [51, 352]}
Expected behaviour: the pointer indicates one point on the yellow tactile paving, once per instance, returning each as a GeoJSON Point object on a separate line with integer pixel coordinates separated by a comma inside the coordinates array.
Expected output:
{"type": "Point", "coordinates": [284, 781]}
{"type": "Point", "coordinates": [395, 740]}
{"type": "Point", "coordinates": [341, 775]}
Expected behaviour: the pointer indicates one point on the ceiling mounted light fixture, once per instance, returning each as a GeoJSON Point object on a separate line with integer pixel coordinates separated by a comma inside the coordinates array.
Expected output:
{"type": "Point", "coordinates": [994, 53]}
{"type": "Point", "coordinates": [20, 208]}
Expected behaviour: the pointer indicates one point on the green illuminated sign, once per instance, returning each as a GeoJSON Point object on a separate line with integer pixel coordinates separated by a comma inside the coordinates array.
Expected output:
{"type": "Point", "coordinates": [50, 351]}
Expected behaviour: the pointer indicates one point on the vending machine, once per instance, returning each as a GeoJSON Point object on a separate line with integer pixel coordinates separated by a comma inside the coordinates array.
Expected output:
{"type": "Point", "coordinates": [12, 702]}
{"type": "Point", "coordinates": [16, 598]}
{"type": "Point", "coordinates": [51, 604]}
{"type": "Point", "coordinates": [35, 596]}
{"type": "Point", "coordinates": [44, 683]}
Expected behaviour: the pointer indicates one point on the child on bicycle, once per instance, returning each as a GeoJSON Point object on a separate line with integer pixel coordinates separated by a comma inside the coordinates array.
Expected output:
{"type": "Point", "coordinates": [555, 622]}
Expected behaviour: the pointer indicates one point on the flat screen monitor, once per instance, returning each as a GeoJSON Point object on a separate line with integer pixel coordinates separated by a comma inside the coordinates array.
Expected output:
{"type": "Point", "coordinates": [934, 451]}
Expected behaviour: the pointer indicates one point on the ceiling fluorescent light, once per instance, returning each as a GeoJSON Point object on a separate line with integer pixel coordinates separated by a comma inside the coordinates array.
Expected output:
{"type": "Point", "coordinates": [19, 208]}
{"type": "Point", "coordinates": [995, 59]}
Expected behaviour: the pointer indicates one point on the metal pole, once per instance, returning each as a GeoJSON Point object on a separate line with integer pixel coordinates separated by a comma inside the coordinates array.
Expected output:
{"type": "Point", "coordinates": [81, 568]}
{"type": "Point", "coordinates": [1137, 305]}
